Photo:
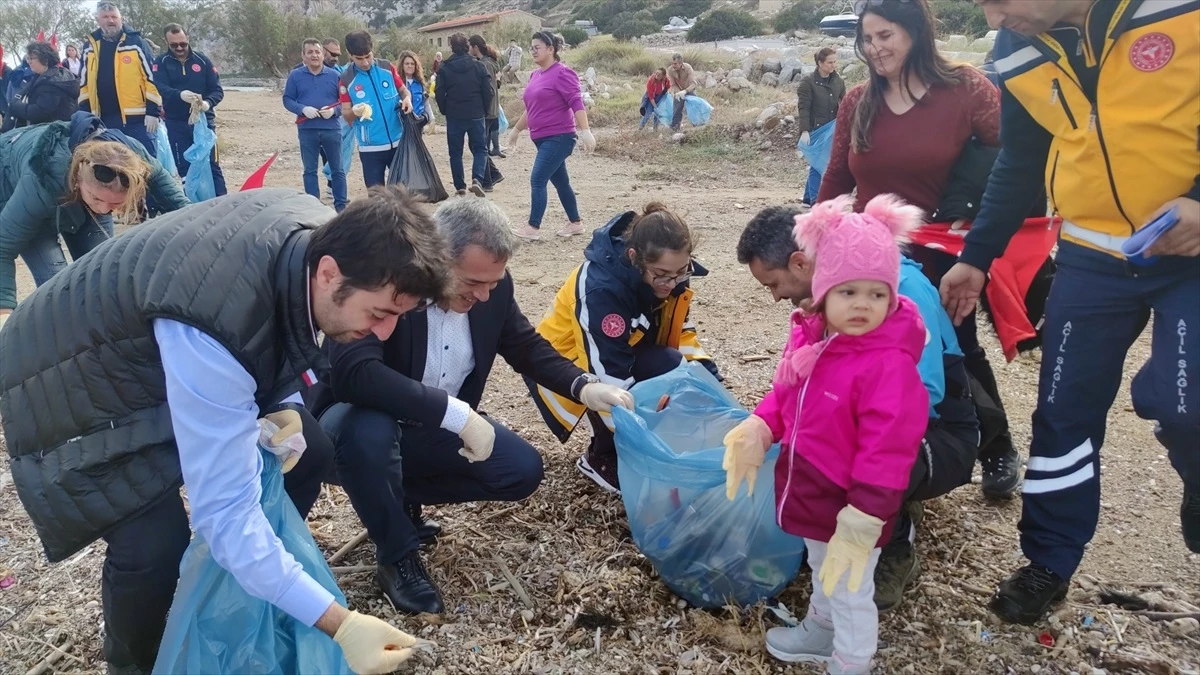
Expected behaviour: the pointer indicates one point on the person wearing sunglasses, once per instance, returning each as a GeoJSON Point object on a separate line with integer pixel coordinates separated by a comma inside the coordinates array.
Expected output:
{"type": "Point", "coordinates": [624, 316]}
{"type": "Point", "coordinates": [51, 95]}
{"type": "Point", "coordinates": [67, 180]}
{"type": "Point", "coordinates": [187, 78]}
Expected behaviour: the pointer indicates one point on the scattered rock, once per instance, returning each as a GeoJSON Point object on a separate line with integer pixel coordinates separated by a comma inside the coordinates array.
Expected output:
{"type": "Point", "coordinates": [982, 44]}
{"type": "Point", "coordinates": [789, 119]}
{"type": "Point", "coordinates": [1184, 626]}
{"type": "Point", "coordinates": [736, 72]}
{"type": "Point", "coordinates": [772, 66]}
{"type": "Point", "coordinates": [767, 119]}
{"type": "Point", "coordinates": [739, 83]}
{"type": "Point", "coordinates": [957, 42]}
{"type": "Point", "coordinates": [677, 137]}
{"type": "Point", "coordinates": [590, 76]}
{"type": "Point", "coordinates": [770, 80]}
{"type": "Point", "coordinates": [527, 614]}
{"type": "Point", "coordinates": [710, 82]}
{"type": "Point", "coordinates": [605, 95]}
{"type": "Point", "coordinates": [766, 145]}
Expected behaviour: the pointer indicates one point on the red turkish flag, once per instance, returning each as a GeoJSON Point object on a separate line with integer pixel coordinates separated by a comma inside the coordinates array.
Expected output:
{"type": "Point", "coordinates": [257, 178]}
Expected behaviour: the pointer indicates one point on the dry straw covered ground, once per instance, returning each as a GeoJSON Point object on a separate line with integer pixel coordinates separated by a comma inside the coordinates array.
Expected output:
{"type": "Point", "coordinates": [554, 585]}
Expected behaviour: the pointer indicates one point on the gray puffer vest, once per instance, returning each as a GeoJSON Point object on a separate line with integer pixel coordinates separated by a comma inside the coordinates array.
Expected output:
{"type": "Point", "coordinates": [82, 390]}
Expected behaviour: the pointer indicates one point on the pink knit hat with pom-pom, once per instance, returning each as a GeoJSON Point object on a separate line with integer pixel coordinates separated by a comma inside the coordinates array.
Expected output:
{"type": "Point", "coordinates": [849, 246]}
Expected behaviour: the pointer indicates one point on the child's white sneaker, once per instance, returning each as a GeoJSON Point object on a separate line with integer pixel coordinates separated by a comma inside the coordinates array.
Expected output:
{"type": "Point", "coordinates": [810, 642]}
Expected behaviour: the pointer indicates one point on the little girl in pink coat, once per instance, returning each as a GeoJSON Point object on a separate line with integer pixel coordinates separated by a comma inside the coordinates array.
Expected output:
{"type": "Point", "coordinates": [849, 407]}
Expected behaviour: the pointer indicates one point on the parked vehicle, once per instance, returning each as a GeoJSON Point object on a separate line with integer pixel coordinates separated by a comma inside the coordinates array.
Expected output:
{"type": "Point", "coordinates": [839, 25]}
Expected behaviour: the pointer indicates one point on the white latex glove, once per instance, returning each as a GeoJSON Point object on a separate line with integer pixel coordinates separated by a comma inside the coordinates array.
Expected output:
{"type": "Point", "coordinates": [286, 440]}
{"type": "Point", "coordinates": [587, 140]}
{"type": "Point", "coordinates": [514, 137]}
{"type": "Point", "coordinates": [680, 95]}
{"type": "Point", "coordinates": [371, 645]}
{"type": "Point", "coordinates": [745, 447]}
{"type": "Point", "coordinates": [151, 125]}
{"type": "Point", "coordinates": [327, 113]}
{"type": "Point", "coordinates": [310, 112]}
{"type": "Point", "coordinates": [189, 96]}
{"type": "Point", "coordinates": [205, 106]}
{"type": "Point", "coordinates": [362, 111]}
{"type": "Point", "coordinates": [478, 437]}
{"type": "Point", "coordinates": [804, 138]}
{"type": "Point", "coordinates": [602, 397]}
{"type": "Point", "coordinates": [849, 549]}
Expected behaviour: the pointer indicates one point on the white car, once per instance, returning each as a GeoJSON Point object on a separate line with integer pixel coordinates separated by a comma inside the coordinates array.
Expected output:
{"type": "Point", "coordinates": [839, 25]}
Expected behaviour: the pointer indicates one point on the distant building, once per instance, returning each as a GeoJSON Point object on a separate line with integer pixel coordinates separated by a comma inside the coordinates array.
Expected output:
{"type": "Point", "coordinates": [588, 26]}
{"type": "Point", "coordinates": [484, 24]}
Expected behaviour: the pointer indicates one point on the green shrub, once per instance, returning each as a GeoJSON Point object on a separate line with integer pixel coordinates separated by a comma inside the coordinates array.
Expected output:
{"type": "Point", "coordinates": [619, 110]}
{"type": "Point", "coordinates": [803, 15]}
{"type": "Point", "coordinates": [956, 17]}
{"type": "Point", "coordinates": [707, 59]}
{"type": "Point", "coordinates": [574, 36]}
{"type": "Point", "coordinates": [635, 25]}
{"type": "Point", "coordinates": [614, 57]}
{"type": "Point", "coordinates": [723, 24]}
{"type": "Point", "coordinates": [682, 8]}
{"type": "Point", "coordinates": [606, 14]}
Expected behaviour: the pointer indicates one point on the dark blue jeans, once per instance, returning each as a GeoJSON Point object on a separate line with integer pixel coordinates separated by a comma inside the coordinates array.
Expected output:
{"type": "Point", "coordinates": [329, 141]}
{"type": "Point", "coordinates": [550, 165]}
{"type": "Point", "coordinates": [179, 135]}
{"type": "Point", "coordinates": [476, 133]}
{"type": "Point", "coordinates": [382, 465]}
{"type": "Point", "coordinates": [44, 255]}
{"type": "Point", "coordinates": [376, 164]}
{"type": "Point", "coordinates": [1098, 305]}
{"type": "Point", "coordinates": [812, 186]}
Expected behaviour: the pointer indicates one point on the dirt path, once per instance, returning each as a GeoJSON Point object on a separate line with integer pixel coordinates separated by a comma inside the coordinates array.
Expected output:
{"type": "Point", "coordinates": [598, 606]}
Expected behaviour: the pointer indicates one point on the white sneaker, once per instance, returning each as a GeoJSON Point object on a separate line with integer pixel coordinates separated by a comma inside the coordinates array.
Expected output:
{"type": "Point", "coordinates": [586, 469]}
{"type": "Point", "coordinates": [571, 230]}
{"type": "Point", "coordinates": [809, 642]}
{"type": "Point", "coordinates": [527, 232]}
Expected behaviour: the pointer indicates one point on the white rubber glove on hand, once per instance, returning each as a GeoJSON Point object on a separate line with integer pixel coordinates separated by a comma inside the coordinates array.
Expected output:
{"type": "Point", "coordinates": [478, 437]}
{"type": "Point", "coordinates": [680, 95]}
{"type": "Point", "coordinates": [372, 645]}
{"type": "Point", "coordinates": [204, 106]}
{"type": "Point", "coordinates": [310, 112]}
{"type": "Point", "coordinates": [587, 141]}
{"type": "Point", "coordinates": [849, 549]}
{"type": "Point", "coordinates": [151, 125]}
{"type": "Point", "coordinates": [362, 111]}
{"type": "Point", "coordinates": [288, 442]}
{"type": "Point", "coordinates": [804, 138]}
{"type": "Point", "coordinates": [189, 96]}
{"type": "Point", "coordinates": [602, 397]}
{"type": "Point", "coordinates": [745, 447]}
{"type": "Point", "coordinates": [327, 113]}
{"type": "Point", "coordinates": [514, 138]}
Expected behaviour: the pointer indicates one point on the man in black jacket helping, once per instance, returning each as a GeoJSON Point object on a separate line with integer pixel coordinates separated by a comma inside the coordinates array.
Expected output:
{"type": "Point", "coordinates": [464, 94]}
{"type": "Point", "coordinates": [405, 428]}
{"type": "Point", "coordinates": [185, 78]}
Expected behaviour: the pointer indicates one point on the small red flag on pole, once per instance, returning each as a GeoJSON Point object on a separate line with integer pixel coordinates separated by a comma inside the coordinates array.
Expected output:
{"type": "Point", "coordinates": [256, 179]}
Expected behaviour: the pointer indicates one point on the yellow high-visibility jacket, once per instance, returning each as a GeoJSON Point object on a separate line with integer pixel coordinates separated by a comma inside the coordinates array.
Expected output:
{"type": "Point", "coordinates": [132, 76]}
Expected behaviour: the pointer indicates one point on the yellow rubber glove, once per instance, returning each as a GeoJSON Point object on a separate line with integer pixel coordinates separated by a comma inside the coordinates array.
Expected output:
{"type": "Point", "coordinates": [745, 447]}
{"type": "Point", "coordinates": [371, 645]}
{"type": "Point", "coordinates": [849, 549]}
{"type": "Point", "coordinates": [478, 437]}
{"type": "Point", "coordinates": [290, 424]}
{"type": "Point", "coordinates": [363, 111]}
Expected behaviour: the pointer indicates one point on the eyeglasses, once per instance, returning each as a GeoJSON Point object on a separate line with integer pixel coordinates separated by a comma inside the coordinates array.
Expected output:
{"type": "Point", "coordinates": [673, 279]}
{"type": "Point", "coordinates": [334, 55]}
{"type": "Point", "coordinates": [177, 45]}
{"type": "Point", "coordinates": [860, 6]}
{"type": "Point", "coordinates": [107, 174]}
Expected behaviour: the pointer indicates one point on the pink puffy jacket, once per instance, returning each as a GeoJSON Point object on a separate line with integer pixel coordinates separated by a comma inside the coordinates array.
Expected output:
{"type": "Point", "coordinates": [851, 430]}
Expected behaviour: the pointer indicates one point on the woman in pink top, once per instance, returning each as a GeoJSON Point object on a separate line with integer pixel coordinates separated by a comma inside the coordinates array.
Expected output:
{"type": "Point", "coordinates": [554, 112]}
{"type": "Point", "coordinates": [848, 405]}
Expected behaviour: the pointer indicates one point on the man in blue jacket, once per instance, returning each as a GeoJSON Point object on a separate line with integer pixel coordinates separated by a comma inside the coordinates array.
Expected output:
{"type": "Point", "coordinates": [373, 96]}
{"type": "Point", "coordinates": [952, 439]}
{"type": "Point", "coordinates": [185, 76]}
{"type": "Point", "coordinates": [311, 93]}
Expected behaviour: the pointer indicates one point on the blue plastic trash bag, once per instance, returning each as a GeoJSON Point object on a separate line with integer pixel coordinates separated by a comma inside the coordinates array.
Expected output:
{"type": "Point", "coordinates": [698, 110]}
{"type": "Point", "coordinates": [665, 109]}
{"type": "Point", "coordinates": [503, 121]}
{"type": "Point", "coordinates": [198, 183]}
{"type": "Point", "coordinates": [710, 551]}
{"type": "Point", "coordinates": [347, 148]}
{"type": "Point", "coordinates": [165, 156]}
{"type": "Point", "coordinates": [820, 142]}
{"type": "Point", "coordinates": [216, 627]}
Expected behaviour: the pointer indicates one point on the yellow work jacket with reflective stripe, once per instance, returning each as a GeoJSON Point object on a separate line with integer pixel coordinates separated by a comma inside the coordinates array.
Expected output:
{"type": "Point", "coordinates": [132, 77]}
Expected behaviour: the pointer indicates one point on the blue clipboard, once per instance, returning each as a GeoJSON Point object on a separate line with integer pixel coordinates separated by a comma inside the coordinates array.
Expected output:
{"type": "Point", "coordinates": [1135, 247]}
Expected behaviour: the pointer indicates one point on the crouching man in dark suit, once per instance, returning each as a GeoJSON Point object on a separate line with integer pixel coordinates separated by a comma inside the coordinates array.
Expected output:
{"type": "Point", "coordinates": [404, 424]}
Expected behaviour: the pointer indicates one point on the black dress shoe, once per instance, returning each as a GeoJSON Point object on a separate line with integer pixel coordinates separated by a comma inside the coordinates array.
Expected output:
{"type": "Point", "coordinates": [408, 586]}
{"type": "Point", "coordinates": [427, 530]}
{"type": "Point", "coordinates": [1189, 518]}
{"type": "Point", "coordinates": [1025, 596]}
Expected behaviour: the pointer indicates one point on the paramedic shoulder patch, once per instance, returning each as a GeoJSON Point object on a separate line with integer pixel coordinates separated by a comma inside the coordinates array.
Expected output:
{"type": "Point", "coordinates": [613, 325]}
{"type": "Point", "coordinates": [1151, 52]}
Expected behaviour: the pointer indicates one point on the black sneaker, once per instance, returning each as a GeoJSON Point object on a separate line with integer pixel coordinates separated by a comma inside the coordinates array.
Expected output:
{"type": "Point", "coordinates": [1025, 596]}
{"type": "Point", "coordinates": [427, 530]}
{"type": "Point", "coordinates": [1001, 471]}
{"type": "Point", "coordinates": [1189, 518]}
{"type": "Point", "coordinates": [408, 586]}
{"type": "Point", "coordinates": [898, 567]}
{"type": "Point", "coordinates": [476, 188]}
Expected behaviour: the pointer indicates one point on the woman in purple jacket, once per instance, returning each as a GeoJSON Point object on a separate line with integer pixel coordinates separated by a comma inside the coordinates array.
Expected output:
{"type": "Point", "coordinates": [556, 119]}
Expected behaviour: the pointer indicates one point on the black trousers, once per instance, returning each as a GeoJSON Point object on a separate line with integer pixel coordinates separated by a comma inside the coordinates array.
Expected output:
{"type": "Point", "coordinates": [493, 135]}
{"type": "Point", "coordinates": [141, 566]}
{"type": "Point", "coordinates": [383, 465]}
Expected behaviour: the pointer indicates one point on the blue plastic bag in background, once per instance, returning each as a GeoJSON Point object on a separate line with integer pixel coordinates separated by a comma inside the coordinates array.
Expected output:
{"type": "Point", "coordinates": [198, 183]}
{"type": "Point", "coordinates": [165, 156]}
{"type": "Point", "coordinates": [698, 110]}
{"type": "Point", "coordinates": [708, 550]}
{"type": "Point", "coordinates": [217, 627]}
{"type": "Point", "coordinates": [503, 121]}
{"type": "Point", "coordinates": [820, 143]}
{"type": "Point", "coordinates": [347, 148]}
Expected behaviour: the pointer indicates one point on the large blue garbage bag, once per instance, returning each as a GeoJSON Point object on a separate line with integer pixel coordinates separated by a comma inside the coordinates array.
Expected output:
{"type": "Point", "coordinates": [820, 142]}
{"type": "Point", "coordinates": [165, 156]}
{"type": "Point", "coordinates": [198, 183]}
{"type": "Point", "coordinates": [708, 550]}
{"type": "Point", "coordinates": [665, 109]}
{"type": "Point", "coordinates": [698, 110]}
{"type": "Point", "coordinates": [217, 627]}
